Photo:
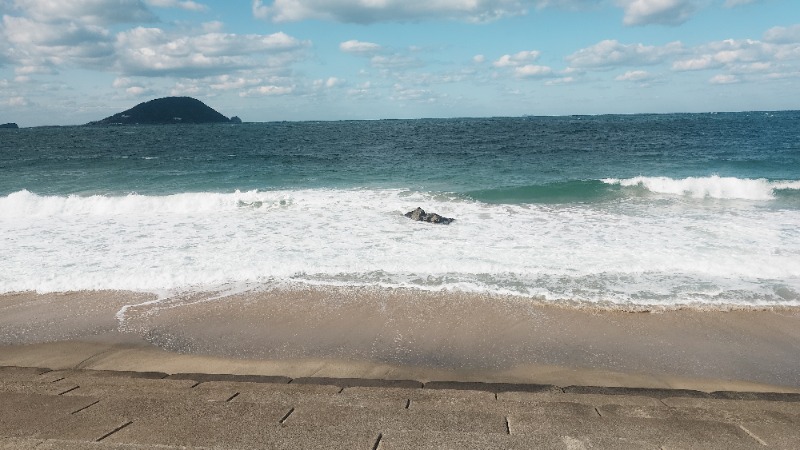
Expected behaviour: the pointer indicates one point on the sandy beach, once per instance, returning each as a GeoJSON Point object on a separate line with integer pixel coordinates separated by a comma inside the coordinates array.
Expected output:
{"type": "Point", "coordinates": [403, 334]}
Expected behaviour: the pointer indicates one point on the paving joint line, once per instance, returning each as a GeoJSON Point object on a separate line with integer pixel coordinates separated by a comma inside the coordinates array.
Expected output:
{"type": "Point", "coordinates": [69, 390]}
{"type": "Point", "coordinates": [753, 435]}
{"type": "Point", "coordinates": [114, 431]}
{"type": "Point", "coordinates": [286, 417]}
{"type": "Point", "coordinates": [377, 441]}
{"type": "Point", "coordinates": [86, 407]}
{"type": "Point", "coordinates": [232, 397]}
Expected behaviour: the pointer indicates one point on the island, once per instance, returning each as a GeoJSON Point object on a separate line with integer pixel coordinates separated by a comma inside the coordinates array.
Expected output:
{"type": "Point", "coordinates": [168, 110]}
{"type": "Point", "coordinates": [10, 125]}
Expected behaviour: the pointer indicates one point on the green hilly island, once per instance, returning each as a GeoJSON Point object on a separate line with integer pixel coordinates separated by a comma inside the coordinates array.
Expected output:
{"type": "Point", "coordinates": [168, 110]}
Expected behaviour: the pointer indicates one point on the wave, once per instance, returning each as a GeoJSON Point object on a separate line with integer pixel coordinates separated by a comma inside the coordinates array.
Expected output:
{"type": "Point", "coordinates": [27, 204]}
{"type": "Point", "coordinates": [590, 191]}
{"type": "Point", "coordinates": [559, 192]}
{"type": "Point", "coordinates": [710, 187]}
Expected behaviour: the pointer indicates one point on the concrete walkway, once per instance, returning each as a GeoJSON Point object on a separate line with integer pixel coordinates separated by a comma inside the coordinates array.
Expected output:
{"type": "Point", "coordinates": [77, 409]}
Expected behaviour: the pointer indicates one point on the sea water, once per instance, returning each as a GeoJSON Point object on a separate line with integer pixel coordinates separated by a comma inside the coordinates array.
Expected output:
{"type": "Point", "coordinates": [655, 210]}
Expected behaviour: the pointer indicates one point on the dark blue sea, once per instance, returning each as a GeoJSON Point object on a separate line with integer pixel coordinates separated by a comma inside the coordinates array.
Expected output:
{"type": "Point", "coordinates": [654, 210]}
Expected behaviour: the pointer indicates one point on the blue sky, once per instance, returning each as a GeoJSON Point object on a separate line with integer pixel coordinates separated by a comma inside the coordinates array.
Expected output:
{"type": "Point", "coordinates": [73, 61]}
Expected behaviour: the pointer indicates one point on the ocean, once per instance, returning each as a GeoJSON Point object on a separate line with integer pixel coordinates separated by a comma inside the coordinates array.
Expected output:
{"type": "Point", "coordinates": [664, 210]}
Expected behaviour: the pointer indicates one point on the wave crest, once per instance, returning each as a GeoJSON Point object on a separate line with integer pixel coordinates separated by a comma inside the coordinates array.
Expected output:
{"type": "Point", "coordinates": [27, 204]}
{"type": "Point", "coordinates": [709, 187]}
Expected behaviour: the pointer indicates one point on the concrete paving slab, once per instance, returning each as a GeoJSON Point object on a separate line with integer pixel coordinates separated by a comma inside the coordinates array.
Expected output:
{"type": "Point", "coordinates": [129, 387]}
{"type": "Point", "coordinates": [255, 392]}
{"type": "Point", "coordinates": [767, 396]}
{"type": "Point", "coordinates": [224, 424]}
{"type": "Point", "coordinates": [359, 418]}
{"type": "Point", "coordinates": [14, 373]}
{"type": "Point", "coordinates": [734, 405]}
{"type": "Point", "coordinates": [34, 387]}
{"type": "Point", "coordinates": [207, 377]}
{"type": "Point", "coordinates": [661, 433]}
{"type": "Point", "coordinates": [648, 392]}
{"type": "Point", "coordinates": [19, 443]}
{"type": "Point", "coordinates": [25, 414]}
{"type": "Point", "coordinates": [491, 387]}
{"type": "Point", "coordinates": [90, 374]}
{"type": "Point", "coordinates": [362, 382]}
{"type": "Point", "coordinates": [587, 399]}
{"type": "Point", "coordinates": [83, 427]}
{"type": "Point", "coordinates": [59, 444]}
{"type": "Point", "coordinates": [418, 394]}
{"type": "Point", "coordinates": [707, 414]}
{"type": "Point", "coordinates": [774, 435]}
{"type": "Point", "coordinates": [415, 440]}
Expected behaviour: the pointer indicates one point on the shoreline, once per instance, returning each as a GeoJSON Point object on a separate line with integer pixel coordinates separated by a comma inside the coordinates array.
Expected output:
{"type": "Point", "coordinates": [404, 334]}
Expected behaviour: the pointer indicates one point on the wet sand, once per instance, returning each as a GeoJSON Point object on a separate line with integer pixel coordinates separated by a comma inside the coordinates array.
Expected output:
{"type": "Point", "coordinates": [404, 334]}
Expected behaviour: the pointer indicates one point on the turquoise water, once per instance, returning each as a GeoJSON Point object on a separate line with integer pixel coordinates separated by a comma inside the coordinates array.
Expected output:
{"type": "Point", "coordinates": [644, 209]}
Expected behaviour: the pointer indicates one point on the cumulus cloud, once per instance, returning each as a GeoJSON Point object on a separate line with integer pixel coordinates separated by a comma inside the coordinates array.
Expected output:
{"type": "Point", "coordinates": [187, 5]}
{"type": "Point", "coordinates": [359, 47]}
{"type": "Point", "coordinates": [724, 79]}
{"type": "Point", "coordinates": [268, 90]}
{"type": "Point", "coordinates": [783, 35]}
{"type": "Point", "coordinates": [370, 11]}
{"type": "Point", "coordinates": [36, 47]}
{"type": "Point", "coordinates": [96, 12]}
{"type": "Point", "coordinates": [517, 59]}
{"type": "Point", "coordinates": [532, 71]}
{"type": "Point", "coordinates": [664, 12]}
{"type": "Point", "coordinates": [612, 53]}
{"type": "Point", "coordinates": [17, 101]}
{"type": "Point", "coordinates": [728, 53]}
{"type": "Point", "coordinates": [329, 83]}
{"type": "Point", "coordinates": [634, 76]}
{"type": "Point", "coordinates": [155, 52]}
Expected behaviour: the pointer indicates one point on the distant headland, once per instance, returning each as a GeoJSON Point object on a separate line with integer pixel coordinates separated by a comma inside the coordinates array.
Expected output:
{"type": "Point", "coordinates": [10, 125]}
{"type": "Point", "coordinates": [168, 110]}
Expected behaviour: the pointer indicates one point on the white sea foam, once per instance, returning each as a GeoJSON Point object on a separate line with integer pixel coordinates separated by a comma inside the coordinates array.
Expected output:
{"type": "Point", "coordinates": [636, 252]}
{"type": "Point", "coordinates": [712, 187]}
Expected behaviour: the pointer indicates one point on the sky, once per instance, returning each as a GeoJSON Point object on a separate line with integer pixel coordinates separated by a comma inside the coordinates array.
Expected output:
{"type": "Point", "coordinates": [65, 62]}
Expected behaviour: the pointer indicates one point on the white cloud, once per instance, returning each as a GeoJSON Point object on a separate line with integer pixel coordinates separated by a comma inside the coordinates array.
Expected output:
{"type": "Point", "coordinates": [479, 59]}
{"type": "Point", "coordinates": [359, 47]}
{"type": "Point", "coordinates": [187, 5]}
{"type": "Point", "coordinates": [370, 11]}
{"type": "Point", "coordinates": [664, 12]}
{"type": "Point", "coordinates": [517, 59]}
{"type": "Point", "coordinates": [268, 90]}
{"type": "Point", "coordinates": [96, 12]}
{"type": "Point", "coordinates": [532, 71]}
{"type": "Point", "coordinates": [611, 53]}
{"type": "Point", "coordinates": [154, 52]}
{"type": "Point", "coordinates": [783, 35]}
{"type": "Point", "coordinates": [635, 76]}
{"type": "Point", "coordinates": [17, 101]}
{"type": "Point", "coordinates": [394, 62]}
{"type": "Point", "coordinates": [723, 79]}
{"type": "Point", "coordinates": [36, 47]}
{"type": "Point", "coordinates": [729, 53]}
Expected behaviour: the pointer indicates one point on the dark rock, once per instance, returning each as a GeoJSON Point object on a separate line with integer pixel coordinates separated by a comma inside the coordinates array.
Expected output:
{"type": "Point", "coordinates": [168, 110]}
{"type": "Point", "coordinates": [419, 214]}
{"type": "Point", "coordinates": [236, 120]}
{"type": "Point", "coordinates": [10, 125]}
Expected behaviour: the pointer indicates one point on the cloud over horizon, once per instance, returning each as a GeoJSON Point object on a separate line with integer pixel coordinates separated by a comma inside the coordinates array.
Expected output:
{"type": "Point", "coordinates": [364, 58]}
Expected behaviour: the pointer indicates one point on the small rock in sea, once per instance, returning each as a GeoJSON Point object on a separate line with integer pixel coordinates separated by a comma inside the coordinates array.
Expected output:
{"type": "Point", "coordinates": [420, 215]}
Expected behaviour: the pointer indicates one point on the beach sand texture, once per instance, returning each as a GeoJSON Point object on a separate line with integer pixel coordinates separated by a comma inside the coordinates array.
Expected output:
{"type": "Point", "coordinates": [385, 334]}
